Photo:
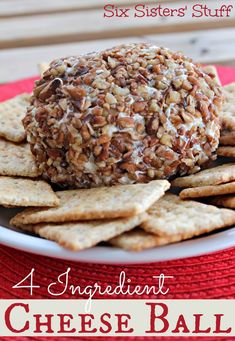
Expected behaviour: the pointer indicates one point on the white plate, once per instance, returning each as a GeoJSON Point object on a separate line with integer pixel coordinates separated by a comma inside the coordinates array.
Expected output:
{"type": "Point", "coordinates": [110, 255]}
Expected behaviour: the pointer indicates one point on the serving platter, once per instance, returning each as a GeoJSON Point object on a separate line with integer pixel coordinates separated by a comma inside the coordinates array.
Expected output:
{"type": "Point", "coordinates": [17, 239]}
{"type": "Point", "coordinates": [106, 254]}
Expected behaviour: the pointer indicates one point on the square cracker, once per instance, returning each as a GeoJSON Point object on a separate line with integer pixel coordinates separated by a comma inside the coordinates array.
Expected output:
{"type": "Point", "coordinates": [139, 240]}
{"type": "Point", "coordinates": [227, 117]}
{"type": "Point", "coordinates": [172, 216]}
{"type": "Point", "coordinates": [97, 203]}
{"type": "Point", "coordinates": [227, 138]}
{"type": "Point", "coordinates": [26, 192]}
{"type": "Point", "coordinates": [207, 191]}
{"type": "Point", "coordinates": [212, 71]}
{"type": "Point", "coordinates": [81, 235]}
{"type": "Point", "coordinates": [11, 114]}
{"type": "Point", "coordinates": [228, 151]}
{"type": "Point", "coordinates": [17, 160]}
{"type": "Point", "coordinates": [225, 201]}
{"type": "Point", "coordinates": [211, 176]}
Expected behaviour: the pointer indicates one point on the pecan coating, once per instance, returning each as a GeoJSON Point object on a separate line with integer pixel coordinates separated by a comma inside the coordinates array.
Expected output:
{"type": "Point", "coordinates": [129, 114]}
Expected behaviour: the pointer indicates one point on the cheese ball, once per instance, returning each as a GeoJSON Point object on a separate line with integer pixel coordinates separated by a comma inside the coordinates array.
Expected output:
{"type": "Point", "coordinates": [126, 115]}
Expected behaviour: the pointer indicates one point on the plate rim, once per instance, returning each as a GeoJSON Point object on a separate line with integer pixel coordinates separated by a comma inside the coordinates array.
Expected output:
{"type": "Point", "coordinates": [112, 255]}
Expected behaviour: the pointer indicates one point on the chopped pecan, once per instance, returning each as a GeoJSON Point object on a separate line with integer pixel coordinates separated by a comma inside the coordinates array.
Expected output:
{"type": "Point", "coordinates": [139, 106]}
{"type": "Point", "coordinates": [99, 121]}
{"type": "Point", "coordinates": [125, 122]}
{"type": "Point", "coordinates": [152, 125]}
{"type": "Point", "coordinates": [103, 139]}
{"type": "Point", "coordinates": [76, 93]}
{"type": "Point", "coordinates": [129, 167]}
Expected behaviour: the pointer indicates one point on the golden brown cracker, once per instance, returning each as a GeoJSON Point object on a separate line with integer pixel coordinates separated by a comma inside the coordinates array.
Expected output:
{"type": "Point", "coordinates": [12, 112]}
{"type": "Point", "coordinates": [17, 160]}
{"type": "Point", "coordinates": [207, 191]}
{"type": "Point", "coordinates": [212, 176]}
{"type": "Point", "coordinates": [26, 192]}
{"type": "Point", "coordinates": [224, 201]}
{"type": "Point", "coordinates": [227, 151]}
{"type": "Point", "coordinates": [97, 203]}
{"type": "Point", "coordinates": [139, 240]}
{"type": "Point", "coordinates": [81, 235]}
{"type": "Point", "coordinates": [227, 138]}
{"type": "Point", "coordinates": [227, 115]}
{"type": "Point", "coordinates": [172, 216]}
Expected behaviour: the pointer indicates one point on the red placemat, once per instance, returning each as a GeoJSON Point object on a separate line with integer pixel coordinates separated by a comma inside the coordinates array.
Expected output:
{"type": "Point", "coordinates": [210, 276]}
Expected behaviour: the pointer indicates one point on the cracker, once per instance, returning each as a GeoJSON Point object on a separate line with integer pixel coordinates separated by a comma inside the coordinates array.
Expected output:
{"type": "Point", "coordinates": [139, 240]}
{"type": "Point", "coordinates": [228, 151]}
{"type": "Point", "coordinates": [11, 114]}
{"type": "Point", "coordinates": [17, 160]}
{"type": "Point", "coordinates": [25, 192]}
{"type": "Point", "coordinates": [212, 72]}
{"type": "Point", "coordinates": [230, 87]}
{"type": "Point", "coordinates": [81, 235]}
{"type": "Point", "coordinates": [97, 203]}
{"type": "Point", "coordinates": [172, 216]}
{"type": "Point", "coordinates": [225, 201]}
{"type": "Point", "coordinates": [227, 117]}
{"type": "Point", "coordinates": [227, 138]}
{"type": "Point", "coordinates": [212, 176]}
{"type": "Point", "coordinates": [42, 67]}
{"type": "Point", "coordinates": [207, 191]}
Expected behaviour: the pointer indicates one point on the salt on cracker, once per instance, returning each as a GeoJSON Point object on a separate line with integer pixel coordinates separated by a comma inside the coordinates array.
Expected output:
{"type": "Point", "coordinates": [11, 114]}
{"type": "Point", "coordinates": [172, 216]}
{"type": "Point", "coordinates": [211, 176]}
{"type": "Point", "coordinates": [81, 235]}
{"type": "Point", "coordinates": [212, 71]}
{"type": "Point", "coordinates": [17, 160]}
{"type": "Point", "coordinates": [139, 240]}
{"type": "Point", "coordinates": [97, 203]}
{"type": "Point", "coordinates": [42, 67]}
{"type": "Point", "coordinates": [227, 117]}
{"type": "Point", "coordinates": [225, 201]}
{"type": "Point", "coordinates": [26, 192]}
{"type": "Point", "coordinates": [207, 191]}
{"type": "Point", "coordinates": [228, 151]}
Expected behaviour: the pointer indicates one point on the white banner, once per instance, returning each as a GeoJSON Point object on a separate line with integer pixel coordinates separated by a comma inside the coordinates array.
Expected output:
{"type": "Point", "coordinates": [117, 317]}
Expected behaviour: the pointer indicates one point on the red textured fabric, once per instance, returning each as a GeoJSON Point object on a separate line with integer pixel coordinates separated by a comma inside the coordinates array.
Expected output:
{"type": "Point", "coordinates": [211, 276]}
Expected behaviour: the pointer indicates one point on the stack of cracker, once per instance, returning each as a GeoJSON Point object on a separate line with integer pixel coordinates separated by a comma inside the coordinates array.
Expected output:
{"type": "Point", "coordinates": [172, 219]}
{"type": "Point", "coordinates": [17, 165]}
{"type": "Point", "coordinates": [227, 117]}
{"type": "Point", "coordinates": [86, 217]}
{"type": "Point", "coordinates": [227, 139]}
{"type": "Point", "coordinates": [132, 217]}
